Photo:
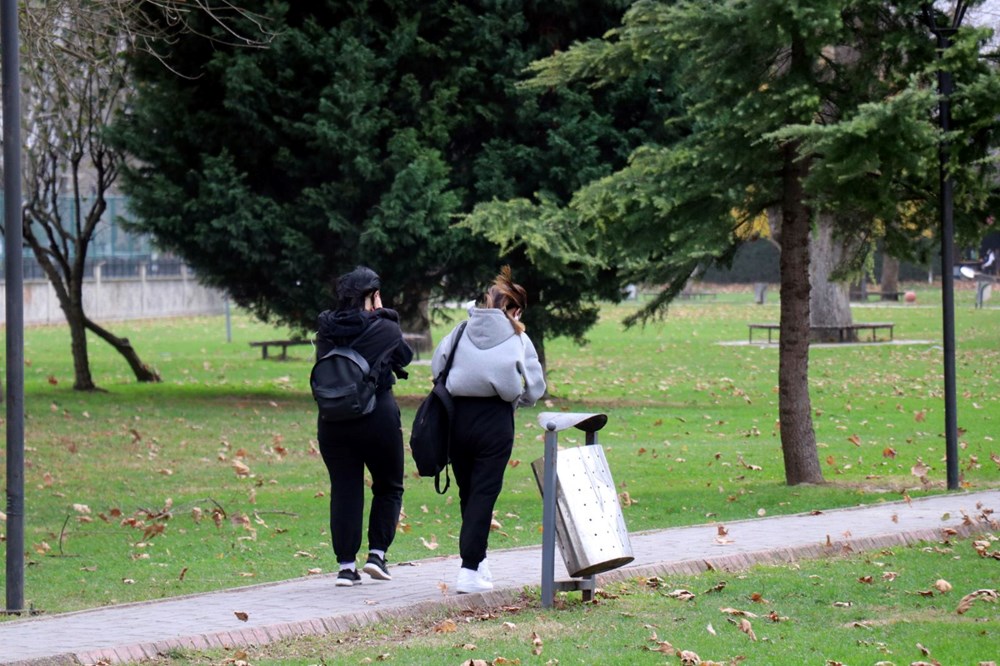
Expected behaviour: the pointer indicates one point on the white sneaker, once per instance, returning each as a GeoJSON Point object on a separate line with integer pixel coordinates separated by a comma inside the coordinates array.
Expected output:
{"type": "Point", "coordinates": [470, 582]}
{"type": "Point", "coordinates": [484, 571]}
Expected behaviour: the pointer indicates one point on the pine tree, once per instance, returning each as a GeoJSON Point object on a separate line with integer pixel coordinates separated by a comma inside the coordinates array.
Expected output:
{"type": "Point", "coordinates": [811, 107]}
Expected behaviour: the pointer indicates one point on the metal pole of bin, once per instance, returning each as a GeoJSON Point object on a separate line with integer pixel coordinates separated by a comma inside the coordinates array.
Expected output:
{"type": "Point", "coordinates": [549, 517]}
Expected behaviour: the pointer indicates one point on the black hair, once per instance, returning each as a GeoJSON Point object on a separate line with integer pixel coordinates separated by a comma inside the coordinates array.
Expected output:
{"type": "Point", "coordinates": [354, 288]}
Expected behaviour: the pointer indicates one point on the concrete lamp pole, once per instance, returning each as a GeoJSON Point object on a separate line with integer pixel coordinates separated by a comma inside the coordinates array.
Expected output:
{"type": "Point", "coordinates": [944, 19]}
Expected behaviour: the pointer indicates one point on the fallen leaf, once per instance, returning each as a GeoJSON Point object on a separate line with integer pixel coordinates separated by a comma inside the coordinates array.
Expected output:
{"type": "Point", "coordinates": [430, 545]}
{"type": "Point", "coordinates": [446, 626]}
{"type": "Point", "coordinates": [924, 651]}
{"type": "Point", "coordinates": [942, 585]}
{"type": "Point", "coordinates": [241, 469]}
{"type": "Point", "coordinates": [747, 629]}
{"type": "Point", "coordinates": [965, 604]}
{"type": "Point", "coordinates": [855, 440]}
{"type": "Point", "coordinates": [241, 616]}
{"type": "Point", "coordinates": [683, 595]}
{"type": "Point", "coordinates": [536, 641]}
{"type": "Point", "coordinates": [689, 658]}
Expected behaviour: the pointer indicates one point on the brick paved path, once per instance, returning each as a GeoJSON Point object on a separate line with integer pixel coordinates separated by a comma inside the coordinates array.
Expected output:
{"type": "Point", "coordinates": [134, 632]}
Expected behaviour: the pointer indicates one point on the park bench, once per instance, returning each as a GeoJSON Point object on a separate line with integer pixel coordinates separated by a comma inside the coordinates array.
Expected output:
{"type": "Point", "coordinates": [844, 333]}
{"type": "Point", "coordinates": [284, 344]}
{"type": "Point", "coordinates": [417, 343]}
{"type": "Point", "coordinates": [415, 340]}
{"type": "Point", "coordinates": [693, 295]}
{"type": "Point", "coordinates": [882, 295]}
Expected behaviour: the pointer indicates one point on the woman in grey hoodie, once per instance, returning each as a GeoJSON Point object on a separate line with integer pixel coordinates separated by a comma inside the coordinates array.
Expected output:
{"type": "Point", "coordinates": [495, 370]}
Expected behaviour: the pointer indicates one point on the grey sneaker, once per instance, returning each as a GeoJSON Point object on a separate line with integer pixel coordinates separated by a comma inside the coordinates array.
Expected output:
{"type": "Point", "coordinates": [376, 568]}
{"type": "Point", "coordinates": [348, 577]}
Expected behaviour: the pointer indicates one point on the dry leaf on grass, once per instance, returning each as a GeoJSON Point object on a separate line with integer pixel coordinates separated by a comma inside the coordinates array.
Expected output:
{"type": "Point", "coordinates": [689, 658]}
{"type": "Point", "coordinates": [747, 628]}
{"type": "Point", "coordinates": [536, 641]}
{"type": "Point", "coordinates": [984, 594]}
{"type": "Point", "coordinates": [942, 585]}
{"type": "Point", "coordinates": [445, 627]}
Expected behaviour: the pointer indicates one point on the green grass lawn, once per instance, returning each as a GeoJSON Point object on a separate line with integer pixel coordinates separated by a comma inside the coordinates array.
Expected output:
{"type": "Point", "coordinates": [894, 606]}
{"type": "Point", "coordinates": [211, 479]}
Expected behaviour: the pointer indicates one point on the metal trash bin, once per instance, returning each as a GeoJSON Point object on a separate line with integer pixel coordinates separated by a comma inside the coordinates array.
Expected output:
{"type": "Point", "coordinates": [590, 527]}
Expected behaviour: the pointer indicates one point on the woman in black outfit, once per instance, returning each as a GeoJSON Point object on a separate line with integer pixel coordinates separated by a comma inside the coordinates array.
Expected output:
{"type": "Point", "coordinates": [374, 440]}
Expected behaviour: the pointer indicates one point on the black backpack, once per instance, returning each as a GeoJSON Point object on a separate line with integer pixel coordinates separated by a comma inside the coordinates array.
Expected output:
{"type": "Point", "coordinates": [343, 384]}
{"type": "Point", "coordinates": [430, 437]}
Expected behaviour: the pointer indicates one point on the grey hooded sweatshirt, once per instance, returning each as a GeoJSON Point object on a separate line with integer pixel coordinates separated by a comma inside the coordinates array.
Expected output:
{"type": "Point", "coordinates": [491, 360]}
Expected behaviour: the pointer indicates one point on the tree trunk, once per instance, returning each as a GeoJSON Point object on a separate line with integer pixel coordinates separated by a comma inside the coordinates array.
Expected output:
{"type": "Point", "coordinates": [142, 372]}
{"type": "Point", "coordinates": [414, 316]}
{"type": "Point", "coordinates": [890, 277]}
{"type": "Point", "coordinates": [82, 379]}
{"type": "Point", "coordinates": [798, 439]}
{"type": "Point", "coordinates": [829, 304]}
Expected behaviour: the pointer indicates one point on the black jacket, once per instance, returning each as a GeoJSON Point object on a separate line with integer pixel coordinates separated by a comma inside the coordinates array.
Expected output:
{"type": "Point", "coordinates": [382, 339]}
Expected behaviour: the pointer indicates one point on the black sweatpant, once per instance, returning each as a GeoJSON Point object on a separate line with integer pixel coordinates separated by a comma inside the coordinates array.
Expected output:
{"type": "Point", "coordinates": [374, 441]}
{"type": "Point", "coordinates": [482, 438]}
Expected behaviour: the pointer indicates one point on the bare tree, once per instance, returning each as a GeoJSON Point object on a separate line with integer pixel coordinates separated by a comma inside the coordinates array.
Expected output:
{"type": "Point", "coordinates": [75, 80]}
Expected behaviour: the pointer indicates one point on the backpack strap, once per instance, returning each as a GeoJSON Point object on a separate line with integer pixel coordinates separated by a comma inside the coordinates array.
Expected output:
{"type": "Point", "coordinates": [443, 375]}
{"type": "Point", "coordinates": [375, 367]}
{"type": "Point", "coordinates": [442, 378]}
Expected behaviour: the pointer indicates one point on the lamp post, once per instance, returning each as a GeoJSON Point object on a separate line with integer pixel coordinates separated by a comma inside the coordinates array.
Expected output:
{"type": "Point", "coordinates": [13, 267]}
{"type": "Point", "coordinates": [944, 31]}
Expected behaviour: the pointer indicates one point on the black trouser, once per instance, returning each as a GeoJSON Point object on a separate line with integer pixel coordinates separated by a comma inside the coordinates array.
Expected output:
{"type": "Point", "coordinates": [374, 441]}
{"type": "Point", "coordinates": [481, 443]}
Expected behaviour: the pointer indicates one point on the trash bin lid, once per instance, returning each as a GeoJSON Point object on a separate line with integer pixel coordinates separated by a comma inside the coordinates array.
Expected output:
{"type": "Point", "coordinates": [557, 421]}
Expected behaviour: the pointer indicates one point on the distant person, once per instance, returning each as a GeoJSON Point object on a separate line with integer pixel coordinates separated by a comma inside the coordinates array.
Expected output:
{"type": "Point", "coordinates": [495, 370]}
{"type": "Point", "coordinates": [989, 248]}
{"type": "Point", "coordinates": [989, 265]}
{"type": "Point", "coordinates": [374, 440]}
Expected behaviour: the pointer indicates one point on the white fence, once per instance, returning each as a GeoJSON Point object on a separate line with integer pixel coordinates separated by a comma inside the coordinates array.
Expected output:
{"type": "Point", "coordinates": [116, 299]}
